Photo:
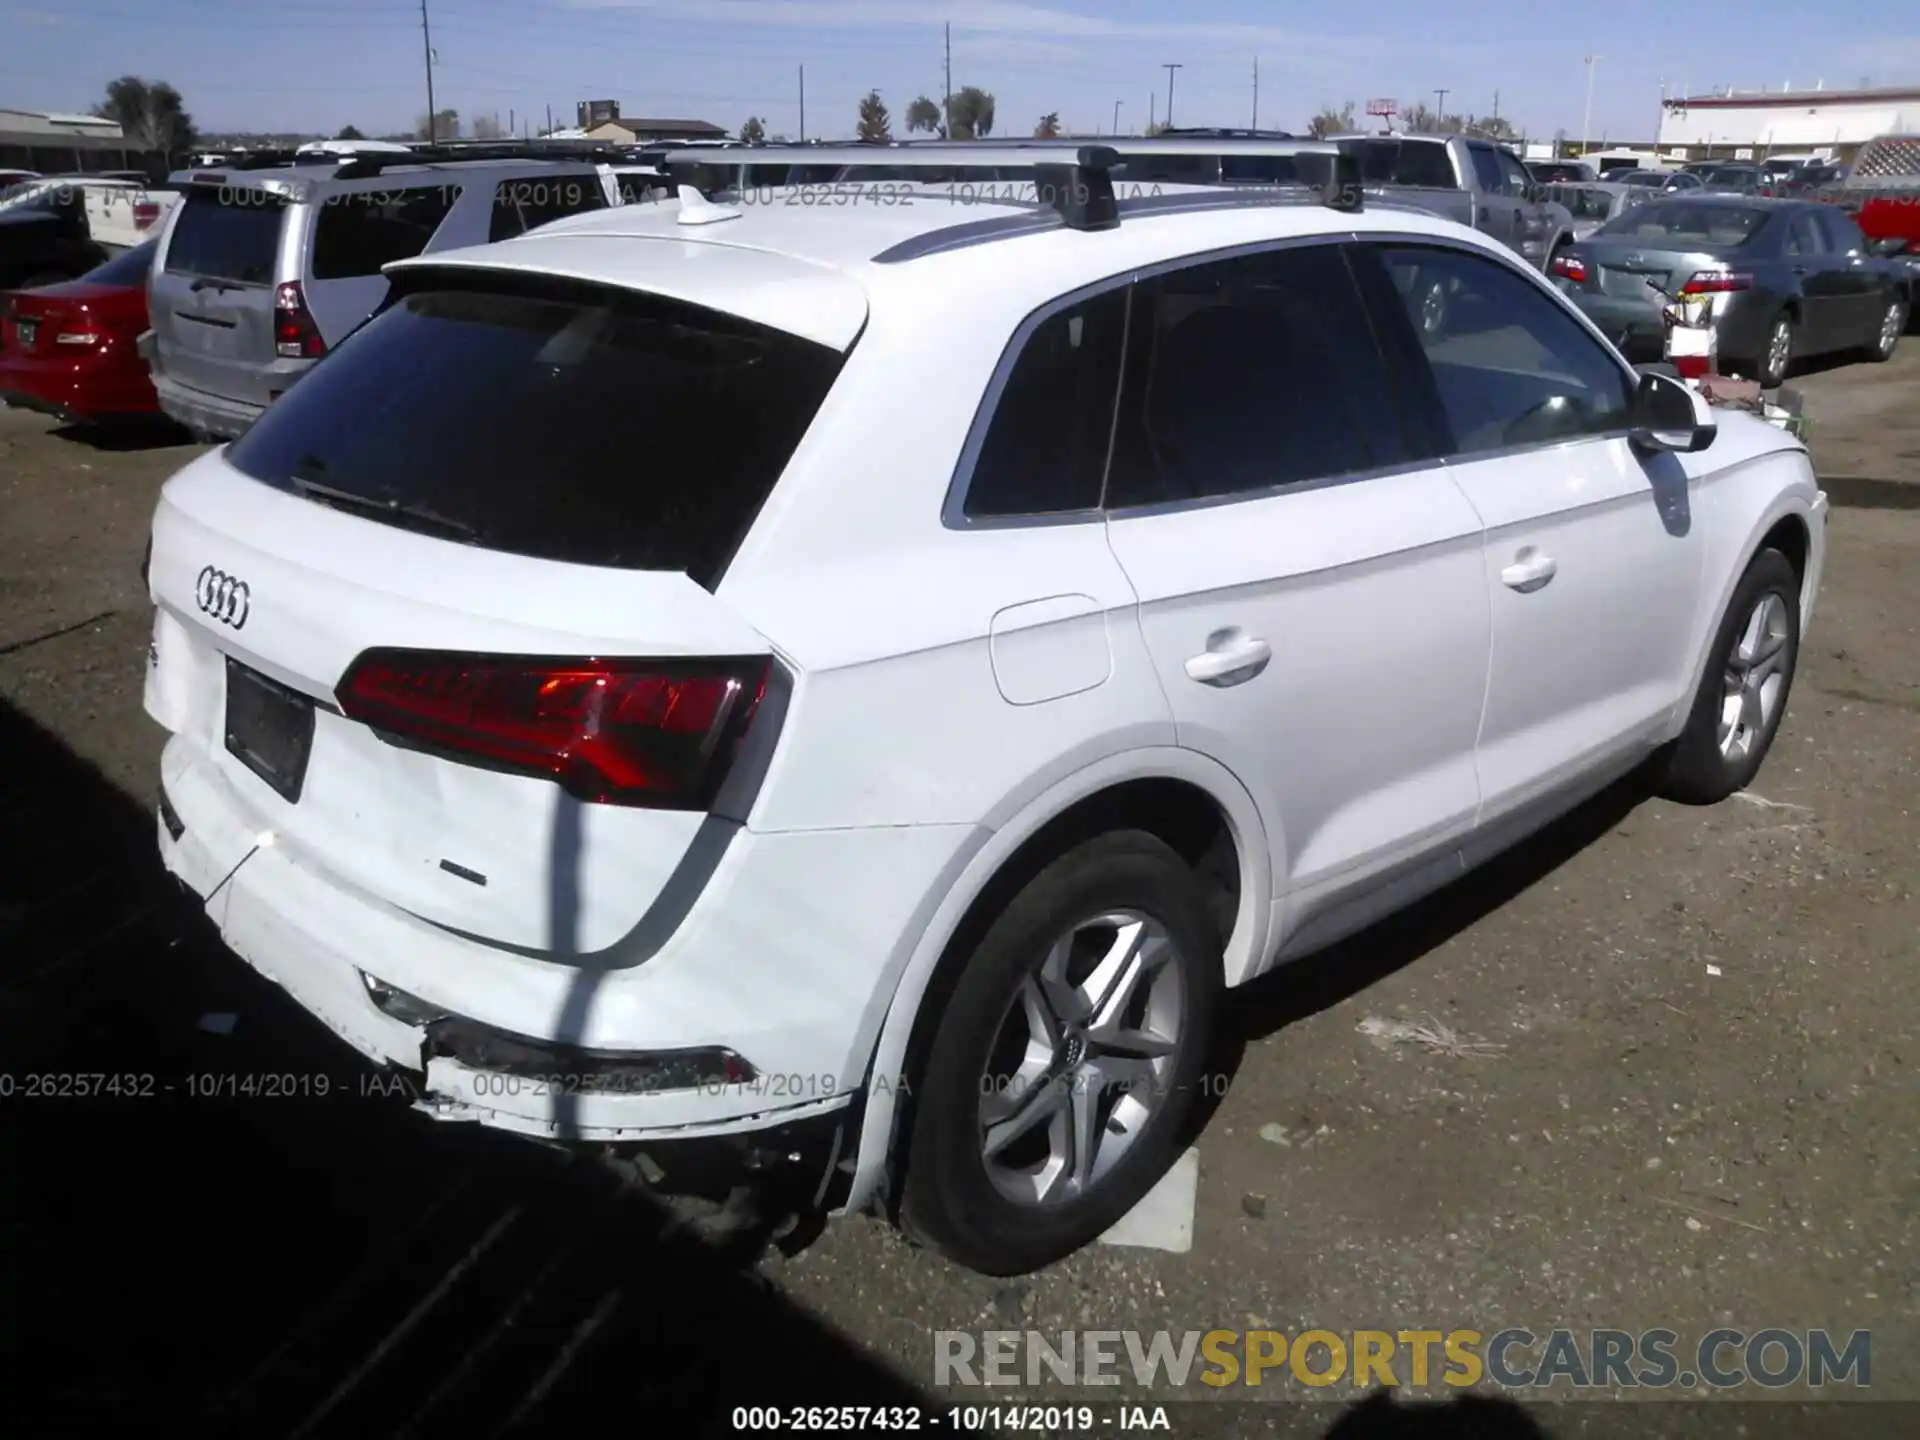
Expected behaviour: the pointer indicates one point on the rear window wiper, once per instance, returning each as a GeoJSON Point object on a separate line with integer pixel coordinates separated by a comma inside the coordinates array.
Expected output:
{"type": "Point", "coordinates": [389, 510]}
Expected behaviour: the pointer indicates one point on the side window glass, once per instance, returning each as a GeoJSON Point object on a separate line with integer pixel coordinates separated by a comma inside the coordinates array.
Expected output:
{"type": "Point", "coordinates": [1249, 373]}
{"type": "Point", "coordinates": [520, 205]}
{"type": "Point", "coordinates": [1045, 449]}
{"type": "Point", "coordinates": [355, 234]}
{"type": "Point", "coordinates": [1486, 168]}
{"type": "Point", "coordinates": [1514, 175]}
{"type": "Point", "coordinates": [1843, 236]}
{"type": "Point", "coordinates": [1512, 367]}
{"type": "Point", "coordinates": [1804, 238]}
{"type": "Point", "coordinates": [1424, 164]}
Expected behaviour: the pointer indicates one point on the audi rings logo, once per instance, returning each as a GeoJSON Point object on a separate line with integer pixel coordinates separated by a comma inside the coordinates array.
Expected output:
{"type": "Point", "coordinates": [224, 597]}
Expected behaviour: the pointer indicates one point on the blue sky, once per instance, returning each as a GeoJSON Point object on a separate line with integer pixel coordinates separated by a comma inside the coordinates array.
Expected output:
{"type": "Point", "coordinates": [321, 64]}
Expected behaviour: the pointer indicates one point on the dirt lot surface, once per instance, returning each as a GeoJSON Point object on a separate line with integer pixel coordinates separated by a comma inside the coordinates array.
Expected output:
{"type": "Point", "coordinates": [1698, 1107]}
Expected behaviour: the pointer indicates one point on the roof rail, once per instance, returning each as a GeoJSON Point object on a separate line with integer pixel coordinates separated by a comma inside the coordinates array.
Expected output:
{"type": "Point", "coordinates": [377, 162]}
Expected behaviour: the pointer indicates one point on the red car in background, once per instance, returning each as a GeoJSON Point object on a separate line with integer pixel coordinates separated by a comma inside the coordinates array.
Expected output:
{"type": "Point", "coordinates": [72, 350]}
{"type": "Point", "coordinates": [1884, 189]}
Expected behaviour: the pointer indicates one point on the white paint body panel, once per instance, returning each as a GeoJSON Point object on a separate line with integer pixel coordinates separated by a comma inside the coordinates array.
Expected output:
{"type": "Point", "coordinates": [954, 689]}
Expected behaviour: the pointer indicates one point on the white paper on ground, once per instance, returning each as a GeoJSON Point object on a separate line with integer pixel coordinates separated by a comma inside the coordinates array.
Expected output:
{"type": "Point", "coordinates": [1164, 1219]}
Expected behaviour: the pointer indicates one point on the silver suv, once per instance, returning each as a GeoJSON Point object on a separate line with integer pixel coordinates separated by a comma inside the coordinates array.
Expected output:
{"type": "Point", "coordinates": [261, 271]}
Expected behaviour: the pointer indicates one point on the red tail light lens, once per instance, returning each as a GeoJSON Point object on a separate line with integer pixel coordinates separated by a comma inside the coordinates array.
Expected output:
{"type": "Point", "coordinates": [145, 212]}
{"type": "Point", "coordinates": [295, 335]}
{"type": "Point", "coordinates": [658, 733]}
{"type": "Point", "coordinates": [1570, 267]}
{"type": "Point", "coordinates": [1692, 367]}
{"type": "Point", "coordinates": [1716, 282]}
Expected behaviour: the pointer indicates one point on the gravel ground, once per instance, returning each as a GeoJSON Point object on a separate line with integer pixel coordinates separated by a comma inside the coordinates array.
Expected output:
{"type": "Point", "coordinates": [1697, 1106]}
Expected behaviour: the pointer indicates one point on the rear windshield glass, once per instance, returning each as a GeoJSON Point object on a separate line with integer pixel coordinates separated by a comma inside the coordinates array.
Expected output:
{"type": "Point", "coordinates": [1412, 162]}
{"type": "Point", "coordinates": [1732, 175]}
{"type": "Point", "coordinates": [573, 424]}
{"type": "Point", "coordinates": [228, 235]}
{"type": "Point", "coordinates": [1688, 223]}
{"type": "Point", "coordinates": [1582, 202]}
{"type": "Point", "coordinates": [129, 267]}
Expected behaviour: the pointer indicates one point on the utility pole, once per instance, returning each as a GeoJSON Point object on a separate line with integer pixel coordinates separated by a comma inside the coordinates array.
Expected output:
{"type": "Point", "coordinates": [946, 103]}
{"type": "Point", "coordinates": [1152, 100]}
{"type": "Point", "coordinates": [1116, 117]}
{"type": "Point", "coordinates": [1256, 92]}
{"type": "Point", "coordinates": [549, 119]}
{"type": "Point", "coordinates": [1440, 116]}
{"type": "Point", "coordinates": [803, 104]}
{"type": "Point", "coordinates": [426, 40]}
{"type": "Point", "coordinates": [1169, 69]}
{"type": "Point", "coordinates": [1586, 123]}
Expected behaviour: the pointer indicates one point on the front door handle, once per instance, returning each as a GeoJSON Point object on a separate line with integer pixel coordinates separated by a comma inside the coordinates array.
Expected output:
{"type": "Point", "coordinates": [1230, 657]}
{"type": "Point", "coordinates": [1529, 572]}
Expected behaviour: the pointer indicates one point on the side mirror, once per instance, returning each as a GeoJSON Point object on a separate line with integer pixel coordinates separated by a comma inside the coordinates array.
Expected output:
{"type": "Point", "coordinates": [1667, 414]}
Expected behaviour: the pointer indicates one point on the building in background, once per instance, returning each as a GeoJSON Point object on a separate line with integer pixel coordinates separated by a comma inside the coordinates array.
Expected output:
{"type": "Point", "coordinates": [637, 131]}
{"type": "Point", "coordinates": [56, 144]}
{"type": "Point", "coordinates": [1752, 125]}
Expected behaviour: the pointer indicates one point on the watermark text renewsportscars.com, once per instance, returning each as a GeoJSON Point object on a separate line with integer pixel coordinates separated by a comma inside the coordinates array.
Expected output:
{"type": "Point", "coordinates": [1511, 1359]}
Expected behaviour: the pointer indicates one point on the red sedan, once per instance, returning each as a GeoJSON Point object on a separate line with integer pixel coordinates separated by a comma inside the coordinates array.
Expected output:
{"type": "Point", "coordinates": [71, 350]}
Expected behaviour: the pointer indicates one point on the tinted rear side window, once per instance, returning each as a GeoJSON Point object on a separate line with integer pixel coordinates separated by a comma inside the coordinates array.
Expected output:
{"type": "Point", "coordinates": [520, 205]}
{"type": "Point", "coordinates": [357, 234]}
{"type": "Point", "coordinates": [232, 234]}
{"type": "Point", "coordinates": [1045, 450]}
{"type": "Point", "coordinates": [573, 424]}
{"type": "Point", "coordinates": [1249, 373]}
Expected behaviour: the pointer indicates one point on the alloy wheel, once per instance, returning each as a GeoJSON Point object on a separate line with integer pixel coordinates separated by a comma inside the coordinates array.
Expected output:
{"type": "Point", "coordinates": [1779, 350]}
{"type": "Point", "coordinates": [1081, 1063]}
{"type": "Point", "coordinates": [1756, 678]}
{"type": "Point", "coordinates": [1891, 326]}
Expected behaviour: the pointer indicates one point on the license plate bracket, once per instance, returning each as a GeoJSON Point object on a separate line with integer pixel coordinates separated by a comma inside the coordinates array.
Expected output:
{"type": "Point", "coordinates": [269, 729]}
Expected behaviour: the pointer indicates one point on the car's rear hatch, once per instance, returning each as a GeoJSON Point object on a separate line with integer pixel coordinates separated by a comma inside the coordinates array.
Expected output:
{"type": "Point", "coordinates": [468, 565]}
{"type": "Point", "coordinates": [211, 295]}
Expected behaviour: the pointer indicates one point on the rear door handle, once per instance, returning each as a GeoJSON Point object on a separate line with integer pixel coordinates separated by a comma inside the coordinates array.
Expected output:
{"type": "Point", "coordinates": [1230, 657]}
{"type": "Point", "coordinates": [1529, 572]}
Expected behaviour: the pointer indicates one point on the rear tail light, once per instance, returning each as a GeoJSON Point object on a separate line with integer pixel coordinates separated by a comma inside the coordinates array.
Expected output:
{"type": "Point", "coordinates": [1693, 367]}
{"type": "Point", "coordinates": [655, 733]}
{"type": "Point", "coordinates": [1716, 282]}
{"type": "Point", "coordinates": [1570, 267]}
{"type": "Point", "coordinates": [145, 212]}
{"type": "Point", "coordinates": [295, 335]}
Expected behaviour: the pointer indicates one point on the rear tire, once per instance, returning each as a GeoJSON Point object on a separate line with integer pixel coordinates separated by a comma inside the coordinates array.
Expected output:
{"type": "Point", "coordinates": [1743, 693]}
{"type": "Point", "coordinates": [1776, 354]}
{"type": "Point", "coordinates": [1043, 1115]}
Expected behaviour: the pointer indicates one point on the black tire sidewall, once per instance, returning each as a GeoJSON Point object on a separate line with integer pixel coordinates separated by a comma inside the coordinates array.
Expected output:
{"type": "Point", "coordinates": [948, 1200]}
{"type": "Point", "coordinates": [1698, 771]}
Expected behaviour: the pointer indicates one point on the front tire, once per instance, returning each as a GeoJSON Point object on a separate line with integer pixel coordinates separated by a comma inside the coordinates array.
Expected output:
{"type": "Point", "coordinates": [1067, 1060]}
{"type": "Point", "coordinates": [1893, 324]}
{"type": "Point", "coordinates": [1743, 694]}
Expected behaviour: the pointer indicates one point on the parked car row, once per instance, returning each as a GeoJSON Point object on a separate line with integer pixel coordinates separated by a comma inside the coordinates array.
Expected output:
{"type": "Point", "coordinates": [1782, 280]}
